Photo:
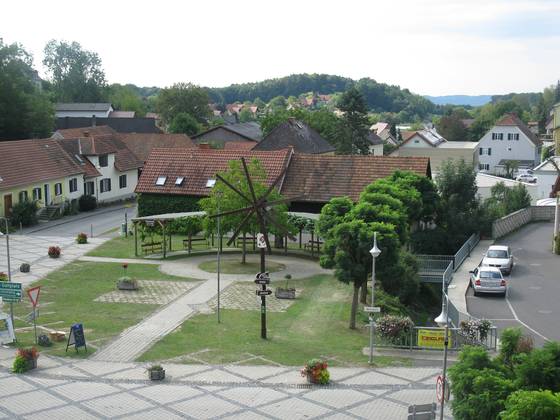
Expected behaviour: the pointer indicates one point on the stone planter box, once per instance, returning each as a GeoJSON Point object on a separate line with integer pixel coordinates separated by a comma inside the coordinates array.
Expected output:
{"type": "Point", "coordinates": [127, 285]}
{"type": "Point", "coordinates": [285, 293]}
{"type": "Point", "coordinates": [25, 268]}
{"type": "Point", "coordinates": [31, 364]}
{"type": "Point", "coordinates": [156, 375]}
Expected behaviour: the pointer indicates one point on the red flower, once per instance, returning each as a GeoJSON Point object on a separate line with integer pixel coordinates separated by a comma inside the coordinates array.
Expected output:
{"type": "Point", "coordinates": [125, 265]}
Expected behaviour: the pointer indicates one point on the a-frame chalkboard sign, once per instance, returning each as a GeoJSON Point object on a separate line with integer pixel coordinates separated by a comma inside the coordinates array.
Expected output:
{"type": "Point", "coordinates": [76, 337]}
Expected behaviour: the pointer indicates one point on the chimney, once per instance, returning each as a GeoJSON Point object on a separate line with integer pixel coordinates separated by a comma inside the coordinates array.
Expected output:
{"type": "Point", "coordinates": [93, 122]}
{"type": "Point", "coordinates": [86, 133]}
{"type": "Point", "coordinates": [79, 147]}
{"type": "Point", "coordinates": [204, 146]}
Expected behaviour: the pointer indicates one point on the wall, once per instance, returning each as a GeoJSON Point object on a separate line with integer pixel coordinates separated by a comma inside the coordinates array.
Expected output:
{"type": "Point", "coordinates": [82, 114]}
{"type": "Point", "coordinates": [375, 150]}
{"type": "Point", "coordinates": [54, 199]}
{"type": "Point", "coordinates": [438, 156]}
{"type": "Point", "coordinates": [416, 142]}
{"type": "Point", "coordinates": [515, 220]}
{"type": "Point", "coordinates": [522, 149]}
{"type": "Point", "coordinates": [111, 172]}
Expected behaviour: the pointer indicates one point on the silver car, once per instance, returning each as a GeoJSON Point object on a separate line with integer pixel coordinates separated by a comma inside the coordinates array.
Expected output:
{"type": "Point", "coordinates": [488, 280]}
{"type": "Point", "coordinates": [499, 256]}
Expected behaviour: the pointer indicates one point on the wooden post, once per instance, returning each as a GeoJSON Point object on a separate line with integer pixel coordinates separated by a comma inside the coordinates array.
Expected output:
{"type": "Point", "coordinates": [286, 245]}
{"type": "Point", "coordinates": [164, 247]}
{"type": "Point", "coordinates": [135, 239]}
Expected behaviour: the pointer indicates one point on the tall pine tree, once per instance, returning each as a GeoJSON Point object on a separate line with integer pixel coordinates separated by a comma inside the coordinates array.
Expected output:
{"type": "Point", "coordinates": [354, 130]}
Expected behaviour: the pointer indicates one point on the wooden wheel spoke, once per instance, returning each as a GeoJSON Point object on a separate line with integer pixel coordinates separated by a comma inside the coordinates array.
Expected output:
{"type": "Point", "coordinates": [241, 226]}
{"type": "Point", "coordinates": [234, 189]}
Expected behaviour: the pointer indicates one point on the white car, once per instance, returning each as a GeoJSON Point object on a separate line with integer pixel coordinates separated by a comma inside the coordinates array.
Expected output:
{"type": "Point", "coordinates": [488, 280]}
{"type": "Point", "coordinates": [499, 256]}
{"type": "Point", "coordinates": [526, 178]}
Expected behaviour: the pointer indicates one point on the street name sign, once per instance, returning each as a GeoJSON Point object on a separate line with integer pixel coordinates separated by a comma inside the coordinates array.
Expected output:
{"type": "Point", "coordinates": [10, 292]}
{"type": "Point", "coordinates": [264, 292]}
{"type": "Point", "coordinates": [372, 309]}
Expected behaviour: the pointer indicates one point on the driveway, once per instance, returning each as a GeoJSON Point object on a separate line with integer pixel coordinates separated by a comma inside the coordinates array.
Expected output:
{"type": "Point", "coordinates": [534, 289]}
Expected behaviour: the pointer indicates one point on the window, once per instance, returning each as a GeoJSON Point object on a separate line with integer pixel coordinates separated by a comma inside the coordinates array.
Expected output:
{"type": "Point", "coordinates": [516, 136]}
{"type": "Point", "coordinates": [161, 180]}
{"type": "Point", "coordinates": [497, 136]}
{"type": "Point", "coordinates": [105, 185]}
{"type": "Point", "coordinates": [22, 196]}
{"type": "Point", "coordinates": [489, 151]}
{"type": "Point", "coordinates": [483, 151]}
{"type": "Point", "coordinates": [89, 188]}
{"type": "Point", "coordinates": [484, 166]}
{"type": "Point", "coordinates": [58, 188]}
{"type": "Point", "coordinates": [210, 183]}
{"type": "Point", "coordinates": [122, 181]}
{"type": "Point", "coordinates": [73, 185]}
{"type": "Point", "coordinates": [513, 136]}
{"type": "Point", "coordinates": [416, 141]}
{"type": "Point", "coordinates": [179, 180]}
{"type": "Point", "coordinates": [37, 193]}
{"type": "Point", "coordinates": [103, 161]}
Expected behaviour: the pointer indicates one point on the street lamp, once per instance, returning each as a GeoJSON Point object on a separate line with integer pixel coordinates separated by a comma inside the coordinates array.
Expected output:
{"type": "Point", "coordinates": [375, 251]}
{"type": "Point", "coordinates": [7, 234]}
{"type": "Point", "coordinates": [219, 196]}
{"type": "Point", "coordinates": [443, 319]}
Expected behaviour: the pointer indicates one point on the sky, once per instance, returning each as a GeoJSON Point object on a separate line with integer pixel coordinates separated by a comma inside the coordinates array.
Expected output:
{"type": "Point", "coordinates": [432, 47]}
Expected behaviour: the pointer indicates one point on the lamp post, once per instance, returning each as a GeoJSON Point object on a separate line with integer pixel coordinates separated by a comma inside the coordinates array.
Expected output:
{"type": "Point", "coordinates": [442, 319]}
{"type": "Point", "coordinates": [7, 234]}
{"type": "Point", "coordinates": [375, 251]}
{"type": "Point", "coordinates": [219, 195]}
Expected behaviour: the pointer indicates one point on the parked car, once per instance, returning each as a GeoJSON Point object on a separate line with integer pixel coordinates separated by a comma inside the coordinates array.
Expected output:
{"type": "Point", "coordinates": [499, 256]}
{"type": "Point", "coordinates": [488, 280]}
{"type": "Point", "coordinates": [526, 178]}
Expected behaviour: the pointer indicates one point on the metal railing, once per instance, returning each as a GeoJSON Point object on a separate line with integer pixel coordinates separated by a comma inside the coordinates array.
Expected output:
{"type": "Point", "coordinates": [465, 250]}
{"type": "Point", "coordinates": [431, 338]}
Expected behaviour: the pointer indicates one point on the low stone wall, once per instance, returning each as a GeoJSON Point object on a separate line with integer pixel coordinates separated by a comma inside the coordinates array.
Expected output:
{"type": "Point", "coordinates": [515, 220]}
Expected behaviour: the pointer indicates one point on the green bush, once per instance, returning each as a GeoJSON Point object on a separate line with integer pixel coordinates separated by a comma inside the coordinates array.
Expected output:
{"type": "Point", "coordinates": [509, 345]}
{"type": "Point", "coordinates": [87, 203]}
{"type": "Point", "coordinates": [540, 369]}
{"type": "Point", "coordinates": [150, 204]}
{"type": "Point", "coordinates": [24, 212]}
{"type": "Point", "coordinates": [20, 364]}
{"type": "Point", "coordinates": [532, 405]}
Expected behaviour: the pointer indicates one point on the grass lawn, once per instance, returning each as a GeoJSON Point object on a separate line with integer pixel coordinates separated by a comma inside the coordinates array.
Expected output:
{"type": "Point", "coordinates": [316, 325]}
{"type": "Point", "coordinates": [235, 267]}
{"type": "Point", "coordinates": [67, 297]}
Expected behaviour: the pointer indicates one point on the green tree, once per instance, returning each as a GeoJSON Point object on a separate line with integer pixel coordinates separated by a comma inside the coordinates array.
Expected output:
{"type": "Point", "coordinates": [540, 369]}
{"type": "Point", "coordinates": [224, 198]}
{"type": "Point", "coordinates": [532, 405]}
{"type": "Point", "coordinates": [185, 124]}
{"type": "Point", "coordinates": [76, 74]}
{"type": "Point", "coordinates": [354, 130]}
{"type": "Point", "coordinates": [277, 103]}
{"type": "Point", "coordinates": [125, 98]}
{"type": "Point", "coordinates": [452, 128]}
{"type": "Point", "coordinates": [183, 98]}
{"type": "Point", "coordinates": [510, 166]}
{"type": "Point", "coordinates": [245, 115]}
{"type": "Point", "coordinates": [25, 110]}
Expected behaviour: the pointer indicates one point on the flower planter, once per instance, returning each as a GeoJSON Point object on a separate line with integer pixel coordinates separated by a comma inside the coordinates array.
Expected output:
{"type": "Point", "coordinates": [156, 375]}
{"type": "Point", "coordinates": [311, 379]}
{"type": "Point", "coordinates": [31, 363]}
{"type": "Point", "coordinates": [24, 268]}
{"type": "Point", "coordinates": [127, 285]}
{"type": "Point", "coordinates": [281, 293]}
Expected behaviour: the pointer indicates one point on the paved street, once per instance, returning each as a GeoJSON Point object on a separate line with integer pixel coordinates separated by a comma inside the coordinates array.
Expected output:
{"type": "Point", "coordinates": [102, 219]}
{"type": "Point", "coordinates": [534, 289]}
{"type": "Point", "coordinates": [85, 389]}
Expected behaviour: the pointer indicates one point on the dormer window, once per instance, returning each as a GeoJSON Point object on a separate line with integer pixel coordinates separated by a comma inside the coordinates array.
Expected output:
{"type": "Point", "coordinates": [179, 180]}
{"type": "Point", "coordinates": [103, 161]}
{"type": "Point", "coordinates": [161, 180]}
{"type": "Point", "coordinates": [210, 183]}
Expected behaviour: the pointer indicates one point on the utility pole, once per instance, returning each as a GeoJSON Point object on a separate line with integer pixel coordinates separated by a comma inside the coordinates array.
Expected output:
{"type": "Point", "coordinates": [219, 195]}
{"type": "Point", "coordinates": [9, 268]}
{"type": "Point", "coordinates": [375, 252]}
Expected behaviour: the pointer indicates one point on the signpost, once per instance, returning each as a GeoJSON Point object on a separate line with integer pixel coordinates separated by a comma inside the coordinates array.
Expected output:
{"type": "Point", "coordinates": [10, 292]}
{"type": "Point", "coordinates": [372, 309]}
{"type": "Point", "coordinates": [33, 294]}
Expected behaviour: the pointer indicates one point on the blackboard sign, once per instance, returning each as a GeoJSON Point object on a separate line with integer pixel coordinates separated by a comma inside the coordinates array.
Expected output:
{"type": "Point", "coordinates": [76, 337]}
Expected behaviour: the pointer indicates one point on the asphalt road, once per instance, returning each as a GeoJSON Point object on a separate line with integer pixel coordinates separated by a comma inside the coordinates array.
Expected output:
{"type": "Point", "coordinates": [101, 220]}
{"type": "Point", "coordinates": [533, 296]}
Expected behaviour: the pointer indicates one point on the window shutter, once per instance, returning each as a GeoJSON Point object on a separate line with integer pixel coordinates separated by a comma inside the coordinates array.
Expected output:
{"type": "Point", "coordinates": [481, 151]}
{"type": "Point", "coordinates": [489, 151]}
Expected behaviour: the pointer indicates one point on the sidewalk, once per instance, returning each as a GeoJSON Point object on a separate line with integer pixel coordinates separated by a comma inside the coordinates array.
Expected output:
{"type": "Point", "coordinates": [86, 389]}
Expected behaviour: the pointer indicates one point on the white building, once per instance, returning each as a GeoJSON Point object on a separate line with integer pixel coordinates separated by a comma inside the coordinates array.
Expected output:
{"type": "Point", "coordinates": [547, 174]}
{"type": "Point", "coordinates": [485, 182]}
{"type": "Point", "coordinates": [383, 130]}
{"type": "Point", "coordinates": [87, 110]}
{"type": "Point", "coordinates": [509, 140]}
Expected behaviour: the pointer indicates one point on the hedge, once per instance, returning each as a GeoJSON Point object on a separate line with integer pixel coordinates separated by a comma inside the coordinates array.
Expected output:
{"type": "Point", "coordinates": [150, 204]}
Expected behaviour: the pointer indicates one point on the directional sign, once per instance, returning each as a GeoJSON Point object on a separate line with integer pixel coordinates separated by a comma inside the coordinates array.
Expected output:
{"type": "Point", "coordinates": [262, 281]}
{"type": "Point", "coordinates": [264, 292]}
{"type": "Point", "coordinates": [261, 276]}
{"type": "Point", "coordinates": [10, 292]}
{"type": "Point", "coordinates": [372, 309]}
{"type": "Point", "coordinates": [33, 294]}
{"type": "Point", "coordinates": [261, 241]}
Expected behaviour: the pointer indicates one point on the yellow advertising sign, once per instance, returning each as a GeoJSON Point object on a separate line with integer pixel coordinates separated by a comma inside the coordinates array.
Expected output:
{"type": "Point", "coordinates": [432, 338]}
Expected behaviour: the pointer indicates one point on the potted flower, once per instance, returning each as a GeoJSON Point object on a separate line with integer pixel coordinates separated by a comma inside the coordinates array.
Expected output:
{"type": "Point", "coordinates": [54, 251]}
{"type": "Point", "coordinates": [125, 282]}
{"type": "Point", "coordinates": [316, 372]}
{"type": "Point", "coordinates": [81, 238]}
{"type": "Point", "coordinates": [156, 373]}
{"type": "Point", "coordinates": [286, 292]}
{"type": "Point", "coordinates": [3, 276]}
{"type": "Point", "coordinates": [24, 268]}
{"type": "Point", "coordinates": [26, 359]}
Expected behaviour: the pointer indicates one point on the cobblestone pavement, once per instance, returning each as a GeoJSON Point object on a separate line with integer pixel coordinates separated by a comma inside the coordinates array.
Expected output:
{"type": "Point", "coordinates": [150, 292]}
{"type": "Point", "coordinates": [86, 389]}
{"type": "Point", "coordinates": [33, 250]}
{"type": "Point", "coordinates": [242, 296]}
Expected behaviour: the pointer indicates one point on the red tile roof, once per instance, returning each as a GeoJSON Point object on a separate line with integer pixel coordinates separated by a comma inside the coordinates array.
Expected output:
{"type": "Point", "coordinates": [70, 133]}
{"type": "Point", "coordinates": [198, 166]}
{"type": "Point", "coordinates": [318, 178]}
{"type": "Point", "coordinates": [141, 144]}
{"type": "Point", "coordinates": [24, 162]}
{"type": "Point", "coordinates": [237, 145]}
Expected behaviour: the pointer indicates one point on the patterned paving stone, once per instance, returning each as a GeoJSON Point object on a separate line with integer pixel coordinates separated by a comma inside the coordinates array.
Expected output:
{"type": "Point", "coordinates": [79, 391]}
{"type": "Point", "coordinates": [150, 292]}
{"type": "Point", "coordinates": [252, 397]}
{"type": "Point", "coordinates": [217, 375]}
{"type": "Point", "coordinates": [13, 385]}
{"type": "Point", "coordinates": [158, 413]}
{"type": "Point", "coordinates": [67, 412]}
{"type": "Point", "coordinates": [415, 396]}
{"type": "Point", "coordinates": [411, 374]}
{"type": "Point", "coordinates": [119, 404]}
{"type": "Point", "coordinates": [380, 409]}
{"type": "Point", "coordinates": [205, 407]}
{"type": "Point", "coordinates": [29, 402]}
{"type": "Point", "coordinates": [255, 372]}
{"type": "Point", "coordinates": [165, 394]}
{"type": "Point", "coordinates": [337, 398]}
{"type": "Point", "coordinates": [246, 416]}
{"type": "Point", "coordinates": [373, 378]}
{"type": "Point", "coordinates": [297, 408]}
{"type": "Point", "coordinates": [101, 369]}
{"type": "Point", "coordinates": [242, 296]}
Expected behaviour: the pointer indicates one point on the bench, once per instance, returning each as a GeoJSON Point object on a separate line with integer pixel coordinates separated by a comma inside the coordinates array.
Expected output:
{"type": "Point", "coordinates": [313, 245]}
{"type": "Point", "coordinates": [152, 246]}
{"type": "Point", "coordinates": [422, 411]}
{"type": "Point", "coordinates": [251, 240]}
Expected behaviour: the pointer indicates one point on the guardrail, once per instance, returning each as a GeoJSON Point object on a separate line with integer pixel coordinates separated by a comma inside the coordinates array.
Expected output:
{"type": "Point", "coordinates": [431, 338]}
{"type": "Point", "coordinates": [465, 250]}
